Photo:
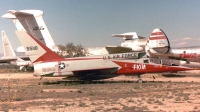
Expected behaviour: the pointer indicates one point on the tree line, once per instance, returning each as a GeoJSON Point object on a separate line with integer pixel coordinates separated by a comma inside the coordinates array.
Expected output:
{"type": "Point", "coordinates": [70, 50]}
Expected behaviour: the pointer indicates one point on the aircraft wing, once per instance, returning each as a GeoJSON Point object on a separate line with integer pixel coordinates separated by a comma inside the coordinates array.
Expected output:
{"type": "Point", "coordinates": [129, 35]}
{"type": "Point", "coordinates": [7, 60]}
{"type": "Point", "coordinates": [86, 74]}
{"type": "Point", "coordinates": [118, 49]}
{"type": "Point", "coordinates": [95, 74]}
{"type": "Point", "coordinates": [169, 56]}
{"type": "Point", "coordinates": [95, 71]}
{"type": "Point", "coordinates": [24, 57]}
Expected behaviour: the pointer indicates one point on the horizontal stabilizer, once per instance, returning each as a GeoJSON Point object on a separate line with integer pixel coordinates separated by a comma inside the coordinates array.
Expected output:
{"type": "Point", "coordinates": [118, 49]}
{"type": "Point", "coordinates": [7, 60]}
{"type": "Point", "coordinates": [169, 56]}
{"type": "Point", "coordinates": [128, 36]}
{"type": "Point", "coordinates": [11, 14]}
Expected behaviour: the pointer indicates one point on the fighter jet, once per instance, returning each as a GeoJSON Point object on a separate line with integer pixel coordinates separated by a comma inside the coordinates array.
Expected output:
{"type": "Point", "coordinates": [49, 64]}
{"type": "Point", "coordinates": [10, 56]}
{"type": "Point", "coordinates": [158, 46]}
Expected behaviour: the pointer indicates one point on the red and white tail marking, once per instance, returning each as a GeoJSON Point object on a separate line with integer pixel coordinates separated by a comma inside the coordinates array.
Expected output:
{"type": "Point", "coordinates": [37, 51]}
{"type": "Point", "coordinates": [157, 42]}
{"type": "Point", "coordinates": [157, 34]}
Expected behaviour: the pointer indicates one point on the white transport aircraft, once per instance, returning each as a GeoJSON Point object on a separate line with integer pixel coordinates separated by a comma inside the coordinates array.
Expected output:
{"type": "Point", "coordinates": [32, 22]}
{"type": "Point", "coordinates": [158, 46]}
{"type": "Point", "coordinates": [132, 43]}
{"type": "Point", "coordinates": [10, 56]}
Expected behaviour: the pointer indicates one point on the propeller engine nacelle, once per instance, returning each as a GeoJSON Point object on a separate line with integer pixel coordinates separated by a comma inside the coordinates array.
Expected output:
{"type": "Point", "coordinates": [136, 45]}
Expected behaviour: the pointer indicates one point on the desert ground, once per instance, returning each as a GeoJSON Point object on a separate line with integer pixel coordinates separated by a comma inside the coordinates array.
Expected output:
{"type": "Point", "coordinates": [168, 92]}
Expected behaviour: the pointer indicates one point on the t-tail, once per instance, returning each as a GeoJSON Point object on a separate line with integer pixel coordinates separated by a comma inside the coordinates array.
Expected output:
{"type": "Point", "coordinates": [37, 51]}
{"type": "Point", "coordinates": [32, 22]}
{"type": "Point", "coordinates": [7, 48]}
{"type": "Point", "coordinates": [157, 43]}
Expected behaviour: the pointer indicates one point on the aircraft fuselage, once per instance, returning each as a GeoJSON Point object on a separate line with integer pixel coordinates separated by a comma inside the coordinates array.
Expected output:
{"type": "Point", "coordinates": [98, 65]}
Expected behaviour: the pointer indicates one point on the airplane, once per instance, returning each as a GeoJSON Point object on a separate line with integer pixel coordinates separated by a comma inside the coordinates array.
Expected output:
{"type": "Point", "coordinates": [10, 56]}
{"type": "Point", "coordinates": [132, 42]}
{"type": "Point", "coordinates": [32, 22]}
{"type": "Point", "coordinates": [49, 64]}
{"type": "Point", "coordinates": [158, 46]}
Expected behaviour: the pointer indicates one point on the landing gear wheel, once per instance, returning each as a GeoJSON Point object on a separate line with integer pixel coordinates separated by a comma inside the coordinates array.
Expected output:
{"type": "Point", "coordinates": [139, 81]}
{"type": "Point", "coordinates": [41, 77]}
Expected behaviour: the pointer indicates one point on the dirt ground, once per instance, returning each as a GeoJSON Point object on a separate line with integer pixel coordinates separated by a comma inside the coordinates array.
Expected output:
{"type": "Point", "coordinates": [167, 92]}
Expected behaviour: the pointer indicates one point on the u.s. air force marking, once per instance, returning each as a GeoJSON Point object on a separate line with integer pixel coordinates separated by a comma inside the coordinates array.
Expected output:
{"type": "Point", "coordinates": [62, 65]}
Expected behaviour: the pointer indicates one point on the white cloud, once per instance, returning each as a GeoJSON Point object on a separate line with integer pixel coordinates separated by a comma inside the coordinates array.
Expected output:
{"type": "Point", "coordinates": [187, 38]}
{"type": "Point", "coordinates": [182, 43]}
{"type": "Point", "coordinates": [185, 42]}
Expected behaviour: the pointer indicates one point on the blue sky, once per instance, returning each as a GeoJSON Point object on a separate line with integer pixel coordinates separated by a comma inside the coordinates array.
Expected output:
{"type": "Point", "coordinates": [91, 22]}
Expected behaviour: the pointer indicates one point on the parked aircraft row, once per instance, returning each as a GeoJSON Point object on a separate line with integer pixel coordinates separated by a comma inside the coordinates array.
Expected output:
{"type": "Point", "coordinates": [138, 67]}
{"type": "Point", "coordinates": [129, 58]}
{"type": "Point", "coordinates": [158, 46]}
{"type": "Point", "coordinates": [10, 56]}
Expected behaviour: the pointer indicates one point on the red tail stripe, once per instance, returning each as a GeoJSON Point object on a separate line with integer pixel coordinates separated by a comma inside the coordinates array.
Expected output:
{"type": "Point", "coordinates": [157, 38]}
{"type": "Point", "coordinates": [157, 33]}
{"type": "Point", "coordinates": [49, 55]}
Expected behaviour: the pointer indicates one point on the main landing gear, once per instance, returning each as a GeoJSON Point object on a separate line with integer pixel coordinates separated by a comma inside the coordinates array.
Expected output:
{"type": "Point", "coordinates": [41, 77]}
{"type": "Point", "coordinates": [139, 80]}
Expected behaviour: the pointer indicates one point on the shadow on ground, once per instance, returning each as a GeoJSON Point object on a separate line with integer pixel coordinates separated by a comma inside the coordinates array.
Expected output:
{"type": "Point", "coordinates": [173, 75]}
{"type": "Point", "coordinates": [84, 82]}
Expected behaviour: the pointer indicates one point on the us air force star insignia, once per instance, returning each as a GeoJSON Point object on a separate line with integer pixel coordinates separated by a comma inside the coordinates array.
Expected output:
{"type": "Point", "coordinates": [62, 65]}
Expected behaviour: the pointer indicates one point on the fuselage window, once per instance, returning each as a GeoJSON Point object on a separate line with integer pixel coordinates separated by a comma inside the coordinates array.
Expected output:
{"type": "Point", "coordinates": [146, 61]}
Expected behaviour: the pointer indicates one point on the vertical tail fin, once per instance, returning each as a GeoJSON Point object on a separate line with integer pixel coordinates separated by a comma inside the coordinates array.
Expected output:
{"type": "Point", "coordinates": [157, 42]}
{"type": "Point", "coordinates": [36, 51]}
{"type": "Point", "coordinates": [7, 48]}
{"type": "Point", "coordinates": [32, 21]}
